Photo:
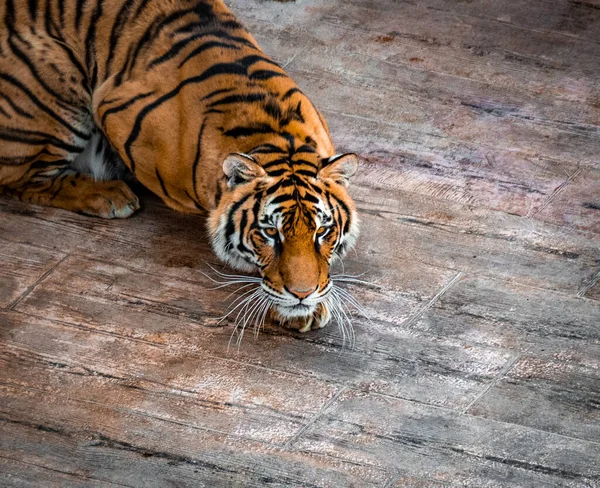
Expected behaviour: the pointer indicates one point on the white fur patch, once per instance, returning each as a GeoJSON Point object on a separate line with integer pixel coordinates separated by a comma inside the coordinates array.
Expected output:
{"type": "Point", "coordinates": [92, 160]}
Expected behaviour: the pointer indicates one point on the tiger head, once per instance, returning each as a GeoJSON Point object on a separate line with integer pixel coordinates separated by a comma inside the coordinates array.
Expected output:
{"type": "Point", "coordinates": [289, 224]}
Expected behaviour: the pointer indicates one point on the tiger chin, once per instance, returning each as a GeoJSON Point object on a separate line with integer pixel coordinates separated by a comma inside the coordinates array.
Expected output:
{"type": "Point", "coordinates": [289, 227]}
{"type": "Point", "coordinates": [179, 96]}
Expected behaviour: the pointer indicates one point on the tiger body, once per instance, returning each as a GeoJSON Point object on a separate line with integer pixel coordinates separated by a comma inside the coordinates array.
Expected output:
{"type": "Point", "coordinates": [178, 94]}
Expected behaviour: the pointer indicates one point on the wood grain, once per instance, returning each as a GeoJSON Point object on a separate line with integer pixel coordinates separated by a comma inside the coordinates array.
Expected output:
{"type": "Point", "coordinates": [478, 128]}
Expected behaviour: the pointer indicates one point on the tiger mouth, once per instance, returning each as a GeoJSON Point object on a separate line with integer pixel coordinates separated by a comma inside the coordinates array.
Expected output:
{"type": "Point", "coordinates": [295, 311]}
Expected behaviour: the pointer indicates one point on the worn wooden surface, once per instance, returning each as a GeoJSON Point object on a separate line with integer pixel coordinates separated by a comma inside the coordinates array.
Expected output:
{"type": "Point", "coordinates": [478, 125]}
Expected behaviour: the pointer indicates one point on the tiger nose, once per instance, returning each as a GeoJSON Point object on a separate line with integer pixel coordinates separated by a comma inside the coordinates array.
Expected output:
{"type": "Point", "coordinates": [299, 293]}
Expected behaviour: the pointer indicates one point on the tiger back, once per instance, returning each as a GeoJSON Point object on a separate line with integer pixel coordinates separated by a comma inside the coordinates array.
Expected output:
{"type": "Point", "coordinates": [178, 94]}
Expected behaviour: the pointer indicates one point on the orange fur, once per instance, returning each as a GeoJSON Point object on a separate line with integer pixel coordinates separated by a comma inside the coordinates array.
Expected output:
{"type": "Point", "coordinates": [176, 91]}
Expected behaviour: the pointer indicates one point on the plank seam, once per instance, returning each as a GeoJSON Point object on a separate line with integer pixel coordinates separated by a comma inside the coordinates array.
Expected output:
{"type": "Point", "coordinates": [291, 60]}
{"type": "Point", "coordinates": [68, 473]}
{"type": "Point", "coordinates": [391, 480]}
{"type": "Point", "coordinates": [288, 444]}
{"type": "Point", "coordinates": [417, 315]}
{"type": "Point", "coordinates": [507, 367]}
{"type": "Point", "coordinates": [557, 191]}
{"type": "Point", "coordinates": [588, 286]}
{"type": "Point", "coordinates": [36, 283]}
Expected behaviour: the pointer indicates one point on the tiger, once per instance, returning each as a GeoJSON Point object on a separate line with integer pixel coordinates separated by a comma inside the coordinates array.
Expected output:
{"type": "Point", "coordinates": [178, 96]}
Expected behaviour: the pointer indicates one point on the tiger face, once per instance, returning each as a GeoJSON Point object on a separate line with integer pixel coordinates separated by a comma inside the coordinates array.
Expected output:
{"type": "Point", "coordinates": [288, 225]}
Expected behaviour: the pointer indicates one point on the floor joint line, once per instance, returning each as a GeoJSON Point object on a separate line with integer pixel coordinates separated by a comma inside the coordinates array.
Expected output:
{"type": "Point", "coordinates": [288, 444]}
{"type": "Point", "coordinates": [507, 367]}
{"type": "Point", "coordinates": [30, 288]}
{"type": "Point", "coordinates": [417, 315]}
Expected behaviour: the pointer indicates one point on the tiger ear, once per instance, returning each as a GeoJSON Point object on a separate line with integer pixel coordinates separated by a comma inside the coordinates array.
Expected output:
{"type": "Point", "coordinates": [339, 168]}
{"type": "Point", "coordinates": [241, 168]}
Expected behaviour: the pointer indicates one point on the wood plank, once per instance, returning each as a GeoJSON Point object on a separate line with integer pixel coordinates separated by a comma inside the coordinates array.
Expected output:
{"type": "Point", "coordinates": [557, 393]}
{"type": "Point", "coordinates": [21, 266]}
{"type": "Point", "coordinates": [593, 292]}
{"type": "Point", "coordinates": [102, 441]}
{"type": "Point", "coordinates": [577, 204]}
{"type": "Point", "coordinates": [159, 381]}
{"type": "Point", "coordinates": [128, 303]}
{"type": "Point", "coordinates": [527, 320]}
{"type": "Point", "coordinates": [19, 474]}
{"type": "Point", "coordinates": [520, 254]}
{"type": "Point", "coordinates": [437, 74]}
{"type": "Point", "coordinates": [436, 232]}
{"type": "Point", "coordinates": [435, 444]}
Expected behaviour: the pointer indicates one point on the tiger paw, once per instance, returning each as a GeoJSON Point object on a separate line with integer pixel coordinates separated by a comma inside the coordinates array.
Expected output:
{"type": "Point", "coordinates": [318, 320]}
{"type": "Point", "coordinates": [109, 200]}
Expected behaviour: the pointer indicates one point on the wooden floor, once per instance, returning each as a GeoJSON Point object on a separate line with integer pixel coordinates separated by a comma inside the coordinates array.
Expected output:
{"type": "Point", "coordinates": [478, 124]}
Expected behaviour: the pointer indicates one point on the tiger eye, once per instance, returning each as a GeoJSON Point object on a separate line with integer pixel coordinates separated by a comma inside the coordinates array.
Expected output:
{"type": "Point", "coordinates": [271, 231]}
{"type": "Point", "coordinates": [321, 231]}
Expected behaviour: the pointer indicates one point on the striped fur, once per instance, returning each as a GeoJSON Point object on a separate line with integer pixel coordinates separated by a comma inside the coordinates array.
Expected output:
{"type": "Point", "coordinates": [179, 94]}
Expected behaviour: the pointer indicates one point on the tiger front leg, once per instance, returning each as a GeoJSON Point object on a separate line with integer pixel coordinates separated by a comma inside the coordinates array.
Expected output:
{"type": "Point", "coordinates": [59, 186]}
{"type": "Point", "coordinates": [319, 319]}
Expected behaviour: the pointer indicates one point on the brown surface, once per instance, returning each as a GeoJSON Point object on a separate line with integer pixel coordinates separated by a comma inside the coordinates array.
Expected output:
{"type": "Point", "coordinates": [478, 127]}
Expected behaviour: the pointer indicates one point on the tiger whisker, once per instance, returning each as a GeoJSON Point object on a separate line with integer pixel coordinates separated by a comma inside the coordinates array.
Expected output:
{"type": "Point", "coordinates": [344, 317]}
{"type": "Point", "coordinates": [225, 285]}
{"type": "Point", "coordinates": [225, 275]}
{"type": "Point", "coordinates": [349, 298]}
{"type": "Point", "coordinates": [261, 323]}
{"type": "Point", "coordinates": [343, 275]}
{"type": "Point", "coordinates": [258, 320]}
{"type": "Point", "coordinates": [248, 319]}
{"type": "Point", "coordinates": [244, 298]}
{"type": "Point", "coordinates": [335, 311]}
{"type": "Point", "coordinates": [238, 290]}
{"type": "Point", "coordinates": [354, 280]}
{"type": "Point", "coordinates": [244, 304]}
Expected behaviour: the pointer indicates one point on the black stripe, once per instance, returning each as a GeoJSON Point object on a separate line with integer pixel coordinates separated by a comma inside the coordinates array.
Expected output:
{"type": "Point", "coordinates": [196, 204]}
{"type": "Point", "coordinates": [61, 12]}
{"type": "Point", "coordinates": [278, 172]}
{"type": "Point", "coordinates": [60, 42]}
{"type": "Point", "coordinates": [276, 162]}
{"type": "Point", "coordinates": [141, 7]}
{"type": "Point", "coordinates": [181, 45]}
{"type": "Point", "coordinates": [33, 8]}
{"type": "Point", "coordinates": [205, 47]}
{"type": "Point", "coordinates": [250, 98]}
{"type": "Point", "coordinates": [252, 130]}
{"type": "Point", "coordinates": [272, 109]}
{"type": "Point", "coordinates": [306, 172]}
{"type": "Point", "coordinates": [197, 159]}
{"type": "Point", "coordinates": [230, 226]}
{"type": "Point", "coordinates": [162, 184]}
{"type": "Point", "coordinates": [306, 149]}
{"type": "Point", "coordinates": [13, 34]}
{"type": "Point", "coordinates": [340, 205]}
{"type": "Point", "coordinates": [217, 92]}
{"type": "Point", "coordinates": [263, 74]}
{"type": "Point", "coordinates": [35, 138]}
{"type": "Point", "coordinates": [268, 149]}
{"type": "Point", "coordinates": [90, 44]}
{"type": "Point", "coordinates": [281, 199]}
{"type": "Point", "coordinates": [243, 224]}
{"type": "Point", "coordinates": [80, 4]}
{"type": "Point", "coordinates": [38, 102]}
{"type": "Point", "coordinates": [21, 160]}
{"type": "Point", "coordinates": [238, 68]}
{"type": "Point", "coordinates": [15, 107]}
{"type": "Point", "coordinates": [121, 21]}
{"type": "Point", "coordinates": [123, 106]}
{"type": "Point", "coordinates": [5, 113]}
{"type": "Point", "coordinates": [289, 93]}
{"type": "Point", "coordinates": [202, 10]}
{"type": "Point", "coordinates": [311, 198]}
